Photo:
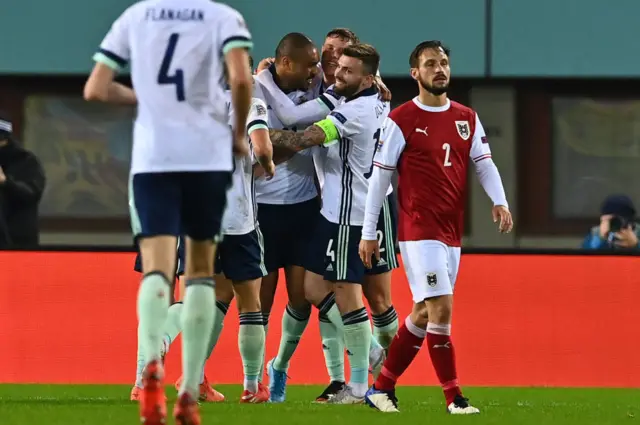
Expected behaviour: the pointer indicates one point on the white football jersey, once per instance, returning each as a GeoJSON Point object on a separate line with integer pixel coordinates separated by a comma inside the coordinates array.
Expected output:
{"type": "Point", "coordinates": [176, 49]}
{"type": "Point", "coordinates": [240, 216]}
{"type": "Point", "coordinates": [348, 162]}
{"type": "Point", "coordinates": [294, 179]}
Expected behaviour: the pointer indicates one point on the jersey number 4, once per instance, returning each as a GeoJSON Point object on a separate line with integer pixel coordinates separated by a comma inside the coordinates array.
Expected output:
{"type": "Point", "coordinates": [177, 78]}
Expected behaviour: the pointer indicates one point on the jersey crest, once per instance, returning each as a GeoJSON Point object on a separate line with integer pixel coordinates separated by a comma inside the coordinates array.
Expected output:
{"type": "Point", "coordinates": [463, 129]}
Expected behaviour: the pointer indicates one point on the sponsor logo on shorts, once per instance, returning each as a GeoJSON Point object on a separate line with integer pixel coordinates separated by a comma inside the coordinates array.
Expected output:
{"type": "Point", "coordinates": [432, 279]}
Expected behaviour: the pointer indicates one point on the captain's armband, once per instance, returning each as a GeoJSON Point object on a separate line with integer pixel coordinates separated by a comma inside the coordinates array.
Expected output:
{"type": "Point", "coordinates": [330, 131]}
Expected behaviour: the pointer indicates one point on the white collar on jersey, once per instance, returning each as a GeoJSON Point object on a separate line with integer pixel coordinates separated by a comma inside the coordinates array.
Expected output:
{"type": "Point", "coordinates": [442, 108]}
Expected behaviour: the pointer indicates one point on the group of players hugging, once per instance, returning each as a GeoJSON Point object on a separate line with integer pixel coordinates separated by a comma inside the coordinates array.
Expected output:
{"type": "Point", "coordinates": [310, 193]}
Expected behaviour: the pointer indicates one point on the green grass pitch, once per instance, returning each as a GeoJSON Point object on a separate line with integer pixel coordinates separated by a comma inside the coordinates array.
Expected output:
{"type": "Point", "coordinates": [98, 404]}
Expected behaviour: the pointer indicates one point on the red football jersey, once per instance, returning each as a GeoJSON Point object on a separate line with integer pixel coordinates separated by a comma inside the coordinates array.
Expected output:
{"type": "Point", "coordinates": [431, 147]}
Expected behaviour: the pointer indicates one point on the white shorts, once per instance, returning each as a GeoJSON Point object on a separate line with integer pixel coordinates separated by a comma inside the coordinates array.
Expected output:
{"type": "Point", "coordinates": [431, 267]}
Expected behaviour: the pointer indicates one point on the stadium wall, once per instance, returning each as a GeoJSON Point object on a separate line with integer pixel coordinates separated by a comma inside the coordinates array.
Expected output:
{"type": "Point", "coordinates": [520, 320]}
{"type": "Point", "coordinates": [489, 38]}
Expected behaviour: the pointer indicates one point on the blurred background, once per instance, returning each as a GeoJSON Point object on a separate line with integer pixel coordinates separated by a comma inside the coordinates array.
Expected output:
{"type": "Point", "coordinates": [556, 84]}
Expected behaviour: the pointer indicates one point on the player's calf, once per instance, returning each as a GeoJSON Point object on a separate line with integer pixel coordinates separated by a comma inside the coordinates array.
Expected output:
{"type": "Point", "coordinates": [377, 290]}
{"type": "Point", "coordinates": [199, 312]}
{"type": "Point", "coordinates": [251, 336]}
{"type": "Point", "coordinates": [442, 353]}
{"type": "Point", "coordinates": [357, 335]}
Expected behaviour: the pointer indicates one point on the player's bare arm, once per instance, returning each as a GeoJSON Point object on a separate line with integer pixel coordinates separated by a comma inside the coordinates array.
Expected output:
{"type": "Point", "coordinates": [101, 87]}
{"type": "Point", "coordinates": [241, 83]}
{"type": "Point", "coordinates": [263, 149]}
{"type": "Point", "coordinates": [297, 141]}
{"type": "Point", "coordinates": [280, 155]}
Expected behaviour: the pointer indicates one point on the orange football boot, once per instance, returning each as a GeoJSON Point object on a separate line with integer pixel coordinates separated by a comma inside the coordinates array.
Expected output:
{"type": "Point", "coordinates": [186, 411]}
{"type": "Point", "coordinates": [260, 396]}
{"type": "Point", "coordinates": [153, 402]}
{"type": "Point", "coordinates": [207, 392]}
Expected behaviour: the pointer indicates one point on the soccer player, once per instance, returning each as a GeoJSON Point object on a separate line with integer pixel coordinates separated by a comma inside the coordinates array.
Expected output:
{"type": "Point", "coordinates": [350, 132]}
{"type": "Point", "coordinates": [288, 204]}
{"type": "Point", "coordinates": [172, 328]}
{"type": "Point", "coordinates": [241, 254]}
{"type": "Point", "coordinates": [429, 141]}
{"type": "Point", "coordinates": [377, 283]}
{"type": "Point", "coordinates": [181, 165]}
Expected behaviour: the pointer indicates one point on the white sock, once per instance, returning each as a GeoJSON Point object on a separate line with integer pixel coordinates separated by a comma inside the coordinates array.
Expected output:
{"type": "Point", "coordinates": [172, 327]}
{"type": "Point", "coordinates": [197, 323]}
{"type": "Point", "coordinates": [251, 385]}
{"type": "Point", "coordinates": [153, 305]}
{"type": "Point", "coordinates": [140, 361]}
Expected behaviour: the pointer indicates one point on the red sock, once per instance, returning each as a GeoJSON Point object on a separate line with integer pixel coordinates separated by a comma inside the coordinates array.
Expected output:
{"type": "Point", "coordinates": [403, 349]}
{"type": "Point", "coordinates": [443, 358]}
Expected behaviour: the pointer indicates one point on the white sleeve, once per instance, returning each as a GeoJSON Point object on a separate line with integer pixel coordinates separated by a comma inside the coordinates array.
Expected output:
{"type": "Point", "coordinates": [346, 120]}
{"type": "Point", "coordinates": [386, 158]}
{"type": "Point", "coordinates": [379, 183]}
{"type": "Point", "coordinates": [486, 170]}
{"type": "Point", "coordinates": [233, 32]}
{"type": "Point", "coordinates": [114, 50]}
{"type": "Point", "coordinates": [479, 144]}
{"type": "Point", "coordinates": [308, 112]}
{"type": "Point", "coordinates": [390, 147]}
{"type": "Point", "coordinates": [257, 118]}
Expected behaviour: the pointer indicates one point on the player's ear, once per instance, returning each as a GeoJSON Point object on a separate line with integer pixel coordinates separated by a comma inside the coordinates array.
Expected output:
{"type": "Point", "coordinates": [414, 73]}
{"type": "Point", "coordinates": [286, 62]}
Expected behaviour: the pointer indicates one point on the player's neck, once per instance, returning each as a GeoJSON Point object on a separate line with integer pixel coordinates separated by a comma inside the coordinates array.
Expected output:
{"type": "Point", "coordinates": [429, 99]}
{"type": "Point", "coordinates": [280, 79]}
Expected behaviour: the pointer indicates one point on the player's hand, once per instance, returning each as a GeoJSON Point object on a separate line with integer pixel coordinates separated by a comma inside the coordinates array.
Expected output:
{"type": "Point", "coordinates": [240, 144]}
{"type": "Point", "coordinates": [502, 216]}
{"type": "Point", "coordinates": [3, 177]}
{"type": "Point", "coordinates": [385, 93]}
{"type": "Point", "coordinates": [264, 64]}
{"type": "Point", "coordinates": [270, 170]}
{"type": "Point", "coordinates": [626, 238]}
{"type": "Point", "coordinates": [367, 250]}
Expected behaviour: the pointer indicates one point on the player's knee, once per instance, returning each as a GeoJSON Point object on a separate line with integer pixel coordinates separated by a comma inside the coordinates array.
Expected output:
{"type": "Point", "coordinates": [420, 315]}
{"type": "Point", "coordinates": [199, 258]}
{"type": "Point", "coordinates": [224, 296]}
{"type": "Point", "coordinates": [378, 301]}
{"type": "Point", "coordinates": [315, 290]}
{"type": "Point", "coordinates": [348, 297]}
{"type": "Point", "coordinates": [248, 295]}
{"type": "Point", "coordinates": [439, 309]}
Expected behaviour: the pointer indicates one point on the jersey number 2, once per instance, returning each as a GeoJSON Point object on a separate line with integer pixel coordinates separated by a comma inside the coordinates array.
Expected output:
{"type": "Point", "coordinates": [376, 138]}
{"type": "Point", "coordinates": [177, 78]}
{"type": "Point", "coordinates": [447, 152]}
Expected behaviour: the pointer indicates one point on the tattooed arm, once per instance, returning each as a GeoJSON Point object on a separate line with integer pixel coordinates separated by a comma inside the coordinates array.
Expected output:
{"type": "Point", "coordinates": [312, 136]}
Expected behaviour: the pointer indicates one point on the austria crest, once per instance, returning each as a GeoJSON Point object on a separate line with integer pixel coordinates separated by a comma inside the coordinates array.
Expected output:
{"type": "Point", "coordinates": [463, 129]}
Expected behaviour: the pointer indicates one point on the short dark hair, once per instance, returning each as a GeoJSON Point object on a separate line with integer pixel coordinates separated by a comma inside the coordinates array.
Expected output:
{"type": "Point", "coordinates": [251, 62]}
{"type": "Point", "coordinates": [291, 42]}
{"type": "Point", "coordinates": [367, 54]}
{"type": "Point", "coordinates": [345, 34]}
{"type": "Point", "coordinates": [414, 58]}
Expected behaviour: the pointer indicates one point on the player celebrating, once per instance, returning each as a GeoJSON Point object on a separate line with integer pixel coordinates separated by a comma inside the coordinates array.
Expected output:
{"type": "Point", "coordinates": [288, 202]}
{"type": "Point", "coordinates": [181, 164]}
{"type": "Point", "coordinates": [241, 254]}
{"type": "Point", "coordinates": [377, 282]}
{"type": "Point", "coordinates": [429, 140]}
{"type": "Point", "coordinates": [333, 263]}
